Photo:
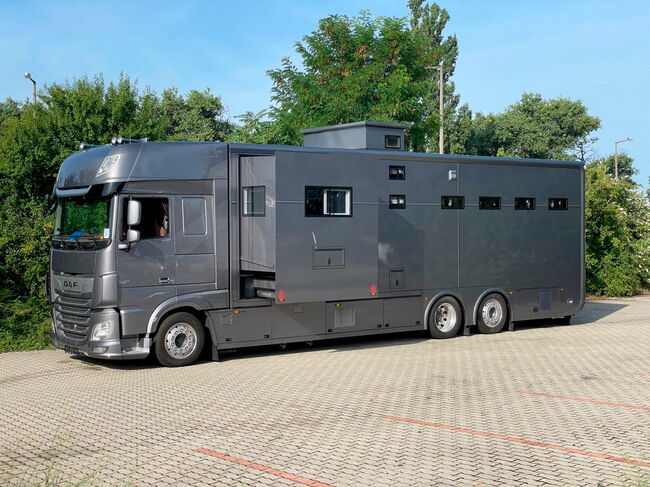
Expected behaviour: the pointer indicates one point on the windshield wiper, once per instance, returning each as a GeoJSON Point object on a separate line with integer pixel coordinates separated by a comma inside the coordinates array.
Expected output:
{"type": "Point", "coordinates": [84, 240]}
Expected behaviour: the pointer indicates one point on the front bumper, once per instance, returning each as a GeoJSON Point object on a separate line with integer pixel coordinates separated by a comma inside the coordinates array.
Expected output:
{"type": "Point", "coordinates": [124, 349]}
{"type": "Point", "coordinates": [72, 331]}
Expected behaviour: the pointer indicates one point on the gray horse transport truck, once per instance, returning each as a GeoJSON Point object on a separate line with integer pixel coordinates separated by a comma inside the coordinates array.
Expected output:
{"type": "Point", "coordinates": [163, 247]}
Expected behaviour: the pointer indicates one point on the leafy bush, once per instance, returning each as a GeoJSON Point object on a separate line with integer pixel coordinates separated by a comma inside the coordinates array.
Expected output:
{"type": "Point", "coordinates": [617, 235]}
{"type": "Point", "coordinates": [24, 323]}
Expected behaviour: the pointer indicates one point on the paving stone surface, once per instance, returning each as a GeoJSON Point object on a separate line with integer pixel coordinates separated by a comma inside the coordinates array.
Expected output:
{"type": "Point", "coordinates": [545, 405]}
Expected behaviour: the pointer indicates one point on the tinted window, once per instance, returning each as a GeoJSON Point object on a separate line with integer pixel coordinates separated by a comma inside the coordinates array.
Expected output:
{"type": "Point", "coordinates": [489, 203]}
{"type": "Point", "coordinates": [453, 202]}
{"type": "Point", "coordinates": [524, 203]}
{"type": "Point", "coordinates": [397, 201]}
{"type": "Point", "coordinates": [392, 142]}
{"type": "Point", "coordinates": [324, 201]}
{"type": "Point", "coordinates": [194, 217]}
{"type": "Point", "coordinates": [558, 203]}
{"type": "Point", "coordinates": [254, 201]}
{"type": "Point", "coordinates": [397, 172]}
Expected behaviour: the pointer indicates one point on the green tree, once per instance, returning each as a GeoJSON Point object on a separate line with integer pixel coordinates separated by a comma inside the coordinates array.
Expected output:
{"type": "Point", "coordinates": [254, 128]}
{"type": "Point", "coordinates": [34, 140]}
{"type": "Point", "coordinates": [10, 109]}
{"type": "Point", "coordinates": [626, 169]}
{"type": "Point", "coordinates": [533, 127]}
{"type": "Point", "coordinates": [429, 20]}
{"type": "Point", "coordinates": [545, 129]}
{"type": "Point", "coordinates": [197, 116]}
{"type": "Point", "coordinates": [364, 68]}
{"type": "Point", "coordinates": [617, 234]}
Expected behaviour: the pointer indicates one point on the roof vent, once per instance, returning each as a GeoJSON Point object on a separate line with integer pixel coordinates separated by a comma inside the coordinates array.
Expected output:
{"type": "Point", "coordinates": [357, 135]}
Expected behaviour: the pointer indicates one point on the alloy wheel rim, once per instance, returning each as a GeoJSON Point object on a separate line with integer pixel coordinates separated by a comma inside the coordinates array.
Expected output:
{"type": "Point", "coordinates": [180, 341]}
{"type": "Point", "coordinates": [445, 317]}
{"type": "Point", "coordinates": [492, 312]}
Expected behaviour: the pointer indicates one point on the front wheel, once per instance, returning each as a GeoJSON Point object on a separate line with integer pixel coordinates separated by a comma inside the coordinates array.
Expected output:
{"type": "Point", "coordinates": [492, 313]}
{"type": "Point", "coordinates": [445, 318]}
{"type": "Point", "coordinates": [179, 340]}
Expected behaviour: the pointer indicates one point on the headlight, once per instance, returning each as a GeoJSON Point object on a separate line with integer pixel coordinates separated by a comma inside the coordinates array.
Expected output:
{"type": "Point", "coordinates": [107, 164]}
{"type": "Point", "coordinates": [102, 330]}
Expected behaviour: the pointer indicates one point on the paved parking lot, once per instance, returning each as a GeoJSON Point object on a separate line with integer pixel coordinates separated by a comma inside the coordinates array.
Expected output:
{"type": "Point", "coordinates": [543, 405]}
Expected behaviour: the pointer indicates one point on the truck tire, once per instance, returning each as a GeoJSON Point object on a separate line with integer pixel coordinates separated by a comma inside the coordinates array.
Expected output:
{"type": "Point", "coordinates": [492, 313]}
{"type": "Point", "coordinates": [179, 340]}
{"type": "Point", "coordinates": [445, 318]}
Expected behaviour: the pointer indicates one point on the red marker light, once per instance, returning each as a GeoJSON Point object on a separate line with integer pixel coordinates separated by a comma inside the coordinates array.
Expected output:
{"type": "Point", "coordinates": [373, 290]}
{"type": "Point", "coordinates": [280, 295]}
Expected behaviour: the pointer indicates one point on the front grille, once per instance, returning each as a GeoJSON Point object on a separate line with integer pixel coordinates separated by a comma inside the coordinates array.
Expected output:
{"type": "Point", "coordinates": [72, 316]}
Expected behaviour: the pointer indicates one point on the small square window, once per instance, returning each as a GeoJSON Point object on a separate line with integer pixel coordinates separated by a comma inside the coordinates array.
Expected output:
{"type": "Point", "coordinates": [254, 201]}
{"type": "Point", "coordinates": [452, 202]}
{"type": "Point", "coordinates": [321, 201]}
{"type": "Point", "coordinates": [558, 203]}
{"type": "Point", "coordinates": [489, 203]}
{"type": "Point", "coordinates": [392, 141]}
{"type": "Point", "coordinates": [397, 172]}
{"type": "Point", "coordinates": [397, 201]}
{"type": "Point", "coordinates": [524, 203]}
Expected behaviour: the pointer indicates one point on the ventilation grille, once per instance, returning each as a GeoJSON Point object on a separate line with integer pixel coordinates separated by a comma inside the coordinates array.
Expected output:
{"type": "Point", "coordinates": [344, 317]}
{"type": "Point", "coordinates": [545, 300]}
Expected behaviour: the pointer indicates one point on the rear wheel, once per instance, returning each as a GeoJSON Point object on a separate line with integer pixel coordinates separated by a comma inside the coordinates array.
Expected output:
{"type": "Point", "coordinates": [179, 340]}
{"type": "Point", "coordinates": [445, 318]}
{"type": "Point", "coordinates": [492, 313]}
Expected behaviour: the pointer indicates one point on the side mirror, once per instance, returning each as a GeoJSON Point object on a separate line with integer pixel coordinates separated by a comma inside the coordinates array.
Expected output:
{"type": "Point", "coordinates": [133, 213]}
{"type": "Point", "coordinates": [132, 235]}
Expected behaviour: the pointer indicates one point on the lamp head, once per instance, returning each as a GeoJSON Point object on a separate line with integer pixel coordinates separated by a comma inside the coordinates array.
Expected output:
{"type": "Point", "coordinates": [27, 75]}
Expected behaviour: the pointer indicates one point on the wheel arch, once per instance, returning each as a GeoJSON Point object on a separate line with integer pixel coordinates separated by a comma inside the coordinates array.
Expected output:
{"type": "Point", "coordinates": [436, 297]}
{"type": "Point", "coordinates": [171, 306]}
{"type": "Point", "coordinates": [504, 295]}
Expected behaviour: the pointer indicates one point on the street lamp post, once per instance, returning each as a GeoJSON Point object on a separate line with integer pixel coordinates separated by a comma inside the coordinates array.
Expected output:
{"type": "Point", "coordinates": [616, 154]}
{"type": "Point", "coordinates": [29, 77]}
{"type": "Point", "coordinates": [441, 85]}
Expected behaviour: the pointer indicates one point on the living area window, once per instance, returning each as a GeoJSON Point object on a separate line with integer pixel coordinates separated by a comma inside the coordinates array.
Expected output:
{"type": "Point", "coordinates": [254, 201]}
{"type": "Point", "coordinates": [328, 201]}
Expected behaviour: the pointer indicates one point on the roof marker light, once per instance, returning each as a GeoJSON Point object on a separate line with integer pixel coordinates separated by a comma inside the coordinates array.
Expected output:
{"type": "Point", "coordinates": [108, 163]}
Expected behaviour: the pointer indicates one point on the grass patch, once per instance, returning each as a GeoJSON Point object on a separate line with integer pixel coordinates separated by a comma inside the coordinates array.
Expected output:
{"type": "Point", "coordinates": [25, 323]}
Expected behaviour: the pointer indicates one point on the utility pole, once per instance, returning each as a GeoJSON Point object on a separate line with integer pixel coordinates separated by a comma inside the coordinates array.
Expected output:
{"type": "Point", "coordinates": [616, 154]}
{"type": "Point", "coordinates": [29, 77]}
{"type": "Point", "coordinates": [441, 86]}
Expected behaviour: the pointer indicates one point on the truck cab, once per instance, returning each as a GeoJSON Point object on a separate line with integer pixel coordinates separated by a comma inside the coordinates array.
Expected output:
{"type": "Point", "coordinates": [134, 241]}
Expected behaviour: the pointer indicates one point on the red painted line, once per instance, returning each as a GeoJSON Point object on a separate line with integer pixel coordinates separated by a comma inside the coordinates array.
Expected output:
{"type": "Point", "coordinates": [643, 375]}
{"type": "Point", "coordinates": [519, 440]}
{"type": "Point", "coordinates": [592, 401]}
{"type": "Point", "coordinates": [263, 468]}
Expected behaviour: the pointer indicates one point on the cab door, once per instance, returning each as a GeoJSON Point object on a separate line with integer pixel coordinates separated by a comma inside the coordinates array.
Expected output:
{"type": "Point", "coordinates": [146, 273]}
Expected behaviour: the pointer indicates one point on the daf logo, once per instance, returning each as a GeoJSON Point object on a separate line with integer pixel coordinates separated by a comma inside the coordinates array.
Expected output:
{"type": "Point", "coordinates": [70, 285]}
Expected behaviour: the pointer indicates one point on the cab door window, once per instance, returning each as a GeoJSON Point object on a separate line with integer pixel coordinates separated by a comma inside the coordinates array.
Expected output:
{"type": "Point", "coordinates": [154, 220]}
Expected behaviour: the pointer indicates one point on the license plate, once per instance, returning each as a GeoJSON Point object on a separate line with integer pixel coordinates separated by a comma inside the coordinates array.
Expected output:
{"type": "Point", "coordinates": [71, 350]}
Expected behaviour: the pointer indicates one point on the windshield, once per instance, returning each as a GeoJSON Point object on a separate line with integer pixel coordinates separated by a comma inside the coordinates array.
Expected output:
{"type": "Point", "coordinates": [83, 221]}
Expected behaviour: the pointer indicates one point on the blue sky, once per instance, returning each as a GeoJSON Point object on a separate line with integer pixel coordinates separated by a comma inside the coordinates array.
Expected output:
{"type": "Point", "coordinates": [595, 51]}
